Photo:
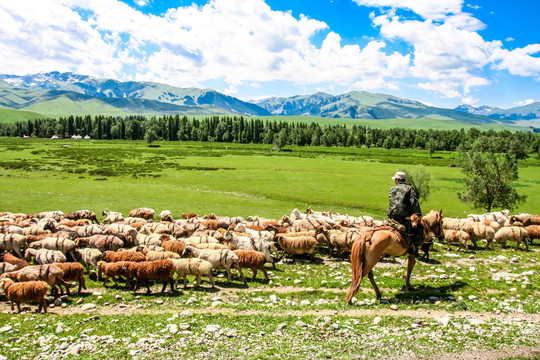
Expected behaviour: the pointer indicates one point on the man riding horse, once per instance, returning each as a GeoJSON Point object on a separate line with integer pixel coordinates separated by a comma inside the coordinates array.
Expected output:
{"type": "Point", "coordinates": [404, 203]}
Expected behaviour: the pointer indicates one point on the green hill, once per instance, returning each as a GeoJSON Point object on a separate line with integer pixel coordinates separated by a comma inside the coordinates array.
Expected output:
{"type": "Point", "coordinates": [13, 116]}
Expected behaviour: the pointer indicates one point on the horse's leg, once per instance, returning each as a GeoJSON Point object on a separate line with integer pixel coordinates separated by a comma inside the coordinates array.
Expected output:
{"type": "Point", "coordinates": [411, 260]}
{"type": "Point", "coordinates": [375, 287]}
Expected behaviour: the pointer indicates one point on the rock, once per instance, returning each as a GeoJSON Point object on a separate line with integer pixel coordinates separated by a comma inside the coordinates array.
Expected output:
{"type": "Point", "coordinates": [58, 302]}
{"type": "Point", "coordinates": [501, 257]}
{"type": "Point", "coordinates": [472, 297]}
{"type": "Point", "coordinates": [159, 301]}
{"type": "Point", "coordinates": [86, 307]}
{"type": "Point", "coordinates": [173, 329]}
{"type": "Point", "coordinates": [297, 281]}
{"type": "Point", "coordinates": [472, 257]}
{"type": "Point", "coordinates": [185, 326]}
{"type": "Point", "coordinates": [300, 323]}
{"type": "Point", "coordinates": [281, 326]}
{"type": "Point", "coordinates": [273, 298]}
{"type": "Point", "coordinates": [514, 259]}
{"type": "Point", "coordinates": [377, 320]}
{"type": "Point", "coordinates": [5, 328]}
{"type": "Point", "coordinates": [93, 318]}
{"type": "Point", "coordinates": [97, 293]}
{"type": "Point", "coordinates": [75, 349]}
{"type": "Point", "coordinates": [216, 303]}
{"type": "Point", "coordinates": [305, 303]}
{"type": "Point", "coordinates": [443, 321]}
{"type": "Point", "coordinates": [257, 299]}
{"type": "Point", "coordinates": [393, 307]}
{"type": "Point", "coordinates": [231, 333]}
{"type": "Point", "coordinates": [212, 328]}
{"type": "Point", "coordinates": [474, 321]}
{"type": "Point", "coordinates": [118, 297]}
{"type": "Point", "coordinates": [59, 329]}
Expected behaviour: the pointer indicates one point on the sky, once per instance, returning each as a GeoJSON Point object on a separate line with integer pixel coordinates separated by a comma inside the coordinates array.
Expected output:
{"type": "Point", "coordinates": [440, 52]}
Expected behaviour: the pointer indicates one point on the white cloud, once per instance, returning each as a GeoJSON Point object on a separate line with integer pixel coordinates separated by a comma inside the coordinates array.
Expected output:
{"type": "Point", "coordinates": [428, 9]}
{"type": "Point", "coordinates": [519, 61]}
{"type": "Point", "coordinates": [525, 102]}
{"type": "Point", "coordinates": [238, 41]}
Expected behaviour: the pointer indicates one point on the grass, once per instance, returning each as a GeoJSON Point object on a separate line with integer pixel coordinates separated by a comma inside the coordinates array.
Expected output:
{"type": "Point", "coordinates": [231, 179]}
{"type": "Point", "coordinates": [302, 311]}
{"type": "Point", "coordinates": [490, 297]}
{"type": "Point", "coordinates": [13, 116]}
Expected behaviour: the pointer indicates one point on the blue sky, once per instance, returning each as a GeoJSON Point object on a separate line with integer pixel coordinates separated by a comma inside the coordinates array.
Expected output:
{"type": "Point", "coordinates": [440, 52]}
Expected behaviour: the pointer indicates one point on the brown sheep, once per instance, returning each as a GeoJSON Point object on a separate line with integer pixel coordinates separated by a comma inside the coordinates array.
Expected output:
{"type": "Point", "coordinates": [116, 256]}
{"type": "Point", "coordinates": [145, 213]}
{"type": "Point", "coordinates": [72, 223]}
{"type": "Point", "coordinates": [159, 270]}
{"type": "Point", "coordinates": [152, 255]}
{"type": "Point", "coordinates": [299, 245]}
{"type": "Point", "coordinates": [533, 231]}
{"type": "Point", "coordinates": [252, 259]}
{"type": "Point", "coordinates": [12, 259]}
{"type": "Point", "coordinates": [112, 270]}
{"type": "Point", "coordinates": [212, 224]}
{"type": "Point", "coordinates": [525, 219]}
{"type": "Point", "coordinates": [82, 214]}
{"type": "Point", "coordinates": [176, 246]}
{"type": "Point", "coordinates": [189, 215]}
{"type": "Point", "coordinates": [458, 236]}
{"type": "Point", "coordinates": [73, 271]}
{"type": "Point", "coordinates": [26, 292]}
{"type": "Point", "coordinates": [49, 273]}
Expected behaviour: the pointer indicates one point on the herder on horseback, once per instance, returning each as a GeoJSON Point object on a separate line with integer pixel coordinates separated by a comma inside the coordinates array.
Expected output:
{"type": "Point", "coordinates": [403, 203]}
{"type": "Point", "coordinates": [404, 211]}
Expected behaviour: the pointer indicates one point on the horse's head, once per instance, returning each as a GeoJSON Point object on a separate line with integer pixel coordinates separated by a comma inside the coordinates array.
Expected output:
{"type": "Point", "coordinates": [433, 223]}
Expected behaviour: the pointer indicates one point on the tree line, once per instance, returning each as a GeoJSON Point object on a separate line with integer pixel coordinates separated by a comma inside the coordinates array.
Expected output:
{"type": "Point", "coordinates": [280, 133]}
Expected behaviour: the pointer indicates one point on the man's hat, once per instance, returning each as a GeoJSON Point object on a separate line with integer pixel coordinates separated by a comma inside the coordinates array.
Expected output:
{"type": "Point", "coordinates": [399, 175]}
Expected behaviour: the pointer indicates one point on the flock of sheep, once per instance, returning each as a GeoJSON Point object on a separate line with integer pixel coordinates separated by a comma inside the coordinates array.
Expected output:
{"type": "Point", "coordinates": [141, 250]}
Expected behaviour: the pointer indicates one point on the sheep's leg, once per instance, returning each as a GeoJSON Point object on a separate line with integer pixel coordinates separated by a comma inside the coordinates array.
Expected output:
{"type": "Point", "coordinates": [147, 283]}
{"type": "Point", "coordinates": [18, 307]}
{"type": "Point", "coordinates": [185, 281]}
{"type": "Point", "coordinates": [526, 244]}
{"type": "Point", "coordinates": [241, 274]}
{"type": "Point", "coordinates": [211, 278]}
{"type": "Point", "coordinates": [254, 274]}
{"type": "Point", "coordinates": [12, 306]}
{"type": "Point", "coordinates": [265, 273]}
{"type": "Point", "coordinates": [198, 283]}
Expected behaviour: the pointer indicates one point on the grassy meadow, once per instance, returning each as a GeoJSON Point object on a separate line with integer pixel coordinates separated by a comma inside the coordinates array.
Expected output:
{"type": "Point", "coordinates": [225, 179]}
{"type": "Point", "coordinates": [466, 305]}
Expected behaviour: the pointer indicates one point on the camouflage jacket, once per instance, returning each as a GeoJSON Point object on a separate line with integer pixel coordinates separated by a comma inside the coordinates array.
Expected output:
{"type": "Point", "coordinates": [403, 202]}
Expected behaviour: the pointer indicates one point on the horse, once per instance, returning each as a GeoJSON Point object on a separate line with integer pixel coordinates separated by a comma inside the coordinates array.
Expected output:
{"type": "Point", "coordinates": [369, 249]}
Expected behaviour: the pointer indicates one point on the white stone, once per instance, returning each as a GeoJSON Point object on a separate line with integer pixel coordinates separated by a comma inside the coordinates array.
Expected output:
{"type": "Point", "coordinates": [5, 328]}
{"type": "Point", "coordinates": [377, 320]}
{"type": "Point", "coordinates": [212, 328]}
{"type": "Point", "coordinates": [305, 303]}
{"type": "Point", "coordinates": [273, 298]}
{"type": "Point", "coordinates": [472, 297]}
{"type": "Point", "coordinates": [443, 321]}
{"type": "Point", "coordinates": [300, 323]}
{"type": "Point", "coordinates": [97, 293]}
{"type": "Point", "coordinates": [86, 307]}
{"type": "Point", "coordinates": [393, 307]}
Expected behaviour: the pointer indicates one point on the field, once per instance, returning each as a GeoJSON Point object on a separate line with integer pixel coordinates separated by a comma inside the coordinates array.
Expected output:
{"type": "Point", "coordinates": [467, 305]}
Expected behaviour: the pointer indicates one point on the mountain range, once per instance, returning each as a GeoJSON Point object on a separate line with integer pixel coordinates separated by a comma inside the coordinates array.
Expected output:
{"type": "Point", "coordinates": [59, 94]}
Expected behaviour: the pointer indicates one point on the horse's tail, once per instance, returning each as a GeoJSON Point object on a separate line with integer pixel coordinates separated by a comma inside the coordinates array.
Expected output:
{"type": "Point", "coordinates": [357, 265]}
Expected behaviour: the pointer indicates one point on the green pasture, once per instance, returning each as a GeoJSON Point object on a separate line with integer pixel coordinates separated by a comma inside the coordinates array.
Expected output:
{"type": "Point", "coordinates": [430, 123]}
{"type": "Point", "coordinates": [225, 179]}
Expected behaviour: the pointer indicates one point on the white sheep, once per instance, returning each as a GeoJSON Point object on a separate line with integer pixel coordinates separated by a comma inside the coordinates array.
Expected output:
{"type": "Point", "coordinates": [193, 266]}
{"type": "Point", "coordinates": [512, 233]}
{"type": "Point", "coordinates": [66, 246]}
{"type": "Point", "coordinates": [89, 256]}
{"type": "Point", "coordinates": [220, 259]}
{"type": "Point", "coordinates": [7, 267]}
{"type": "Point", "coordinates": [112, 217]}
{"type": "Point", "coordinates": [457, 224]}
{"type": "Point", "coordinates": [482, 231]}
{"type": "Point", "coordinates": [458, 236]}
{"type": "Point", "coordinates": [44, 256]}
{"type": "Point", "coordinates": [15, 242]}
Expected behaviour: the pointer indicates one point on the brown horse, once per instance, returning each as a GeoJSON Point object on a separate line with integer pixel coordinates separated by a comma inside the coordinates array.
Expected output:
{"type": "Point", "coordinates": [368, 250]}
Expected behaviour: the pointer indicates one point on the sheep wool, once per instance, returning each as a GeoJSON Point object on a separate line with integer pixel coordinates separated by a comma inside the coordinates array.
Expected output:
{"type": "Point", "coordinates": [26, 292]}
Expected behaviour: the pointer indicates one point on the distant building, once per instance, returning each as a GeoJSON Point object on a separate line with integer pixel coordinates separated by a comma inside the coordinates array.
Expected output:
{"type": "Point", "coordinates": [55, 137]}
{"type": "Point", "coordinates": [76, 137]}
{"type": "Point", "coordinates": [87, 137]}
